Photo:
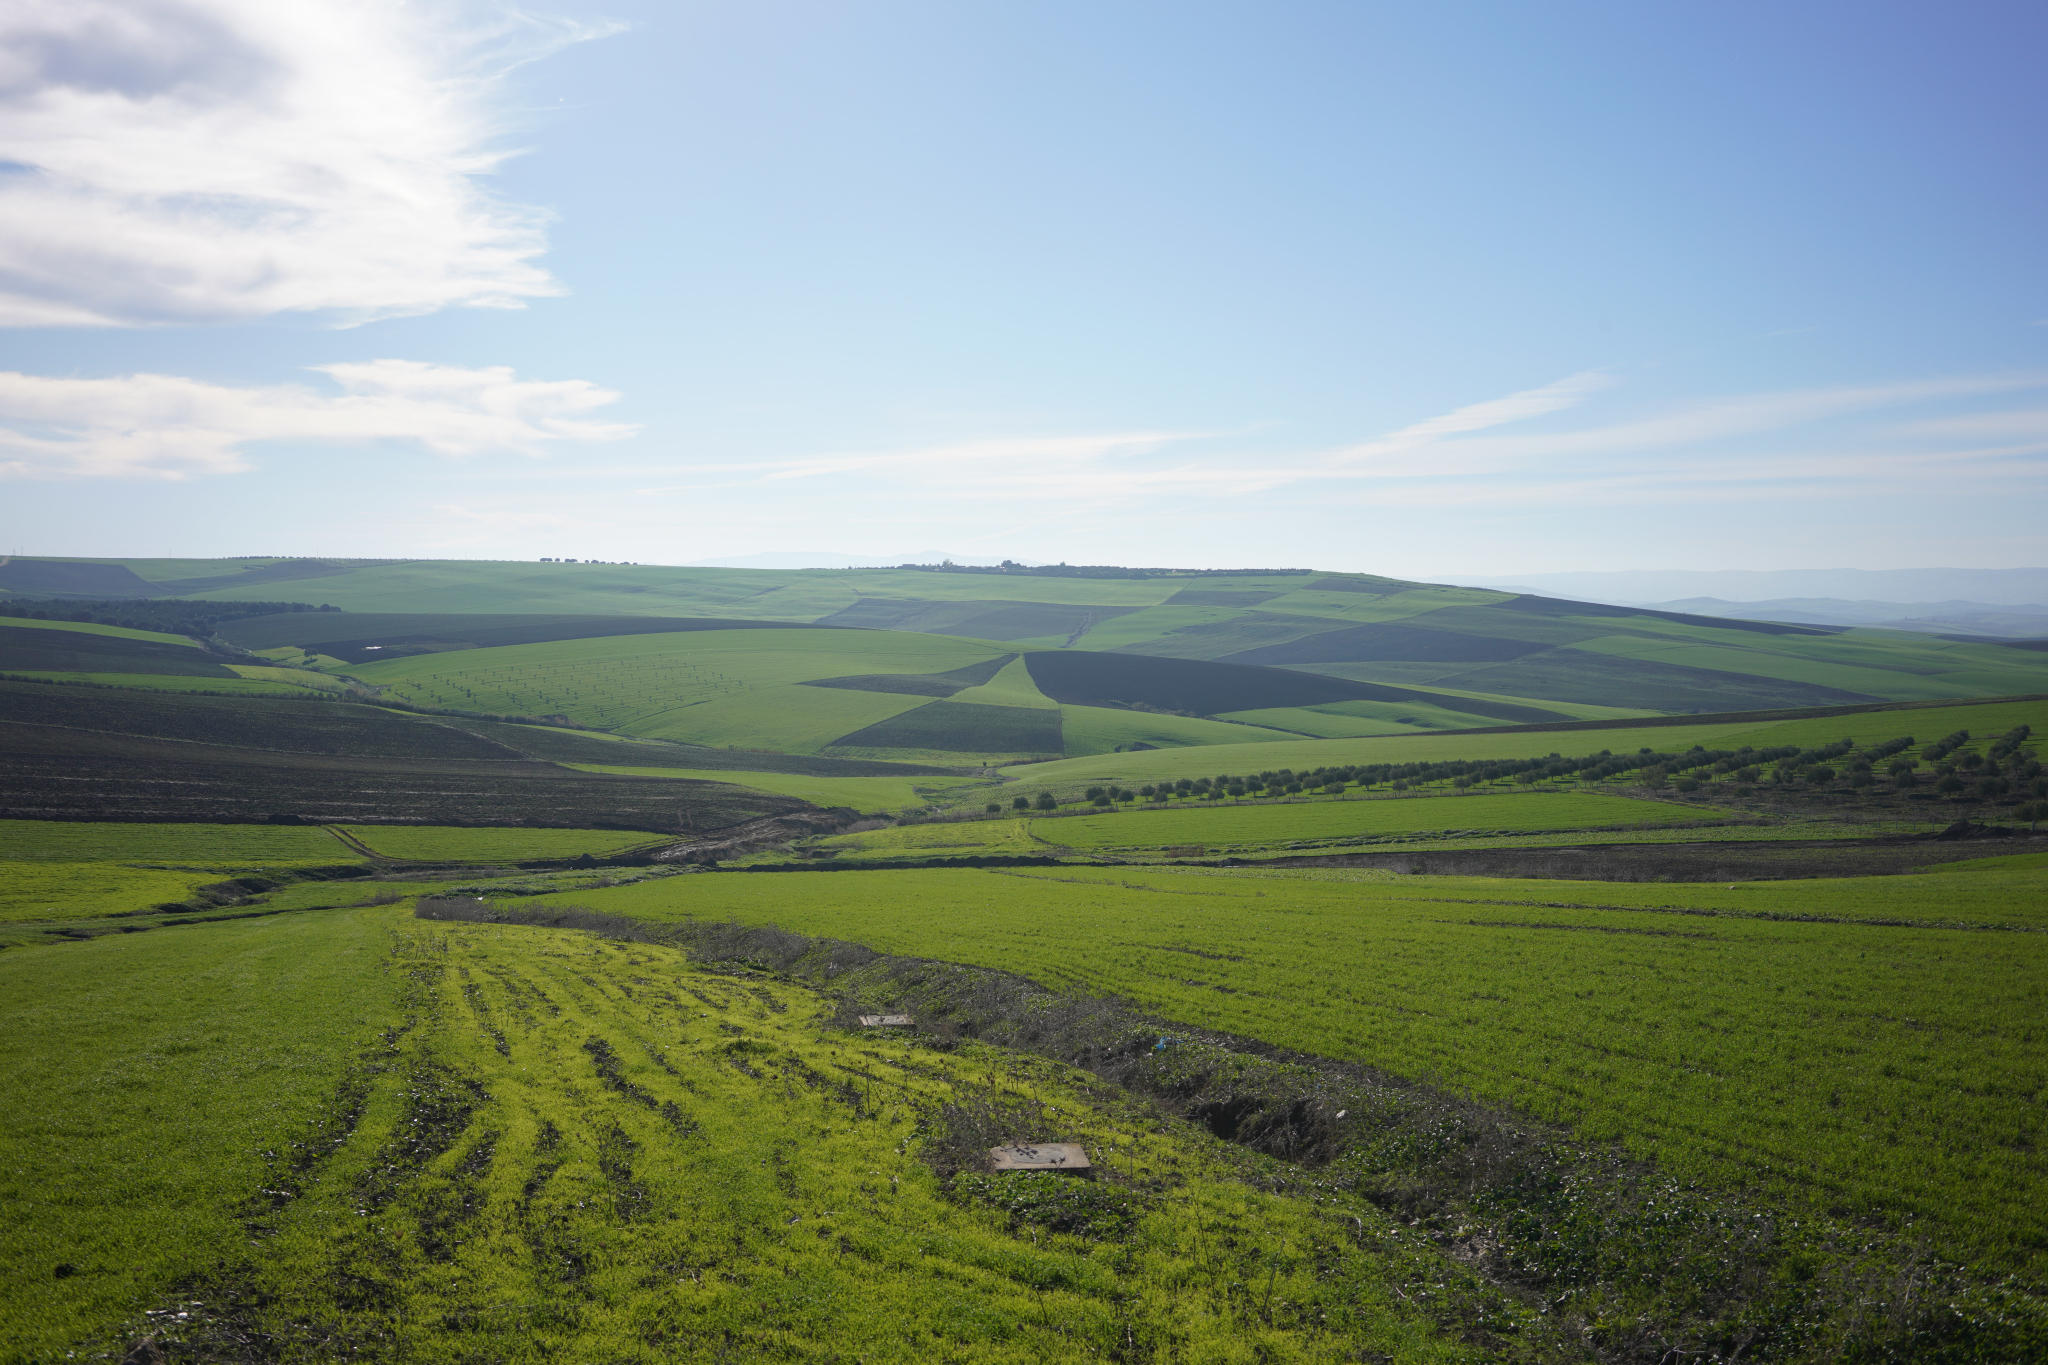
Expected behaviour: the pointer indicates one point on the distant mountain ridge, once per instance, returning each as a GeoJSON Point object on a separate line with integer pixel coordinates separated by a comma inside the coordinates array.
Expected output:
{"type": "Point", "coordinates": [1995, 587]}
{"type": "Point", "coordinates": [1954, 617]}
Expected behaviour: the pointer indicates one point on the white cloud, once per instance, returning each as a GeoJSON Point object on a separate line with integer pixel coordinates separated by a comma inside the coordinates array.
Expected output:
{"type": "Point", "coordinates": [1985, 425]}
{"type": "Point", "coordinates": [170, 427]}
{"type": "Point", "coordinates": [178, 161]}
{"type": "Point", "coordinates": [1516, 407]}
{"type": "Point", "coordinates": [1738, 416]}
{"type": "Point", "coordinates": [1746, 446]}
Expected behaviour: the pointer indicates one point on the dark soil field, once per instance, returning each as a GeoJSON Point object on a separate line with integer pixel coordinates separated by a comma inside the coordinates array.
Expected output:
{"type": "Point", "coordinates": [305, 727]}
{"type": "Point", "coordinates": [29, 649]}
{"type": "Point", "coordinates": [963, 727]}
{"type": "Point", "coordinates": [1205, 688]}
{"type": "Point", "coordinates": [1752, 861]}
{"type": "Point", "coordinates": [61, 576]}
{"type": "Point", "coordinates": [51, 773]}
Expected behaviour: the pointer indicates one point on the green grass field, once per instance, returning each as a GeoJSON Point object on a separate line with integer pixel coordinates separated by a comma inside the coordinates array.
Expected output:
{"type": "Point", "coordinates": [1925, 723]}
{"type": "Point", "coordinates": [567, 1149]}
{"type": "Point", "coordinates": [115, 632]}
{"type": "Point", "coordinates": [1871, 1072]}
{"type": "Point", "coordinates": [290, 677]}
{"type": "Point", "coordinates": [545, 1146]}
{"type": "Point", "coordinates": [149, 1077]}
{"type": "Point", "coordinates": [208, 846]}
{"type": "Point", "coordinates": [63, 891]}
{"type": "Point", "coordinates": [170, 682]}
{"type": "Point", "coordinates": [1358, 719]}
{"type": "Point", "coordinates": [1584, 654]}
{"type": "Point", "coordinates": [998, 835]}
{"type": "Point", "coordinates": [712, 687]}
{"type": "Point", "coordinates": [1135, 769]}
{"type": "Point", "coordinates": [1100, 730]}
{"type": "Point", "coordinates": [456, 845]}
{"type": "Point", "coordinates": [877, 794]}
{"type": "Point", "coordinates": [1282, 822]}
{"type": "Point", "coordinates": [940, 839]}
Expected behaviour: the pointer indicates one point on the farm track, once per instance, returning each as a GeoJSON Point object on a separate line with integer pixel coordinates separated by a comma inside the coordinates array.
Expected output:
{"type": "Point", "coordinates": [752, 836]}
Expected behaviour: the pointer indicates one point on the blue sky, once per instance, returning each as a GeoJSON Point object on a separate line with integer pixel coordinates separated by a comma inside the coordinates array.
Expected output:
{"type": "Point", "coordinates": [1443, 290]}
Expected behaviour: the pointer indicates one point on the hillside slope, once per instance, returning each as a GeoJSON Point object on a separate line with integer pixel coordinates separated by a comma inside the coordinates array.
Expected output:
{"type": "Point", "coordinates": [1441, 644]}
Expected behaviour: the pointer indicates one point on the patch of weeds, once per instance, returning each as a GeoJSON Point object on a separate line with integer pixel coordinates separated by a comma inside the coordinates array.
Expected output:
{"type": "Point", "coordinates": [1059, 1203]}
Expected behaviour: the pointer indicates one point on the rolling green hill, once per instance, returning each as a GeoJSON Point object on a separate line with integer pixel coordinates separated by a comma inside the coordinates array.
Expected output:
{"type": "Point", "coordinates": [1110, 660]}
{"type": "Point", "coordinates": [867, 693]}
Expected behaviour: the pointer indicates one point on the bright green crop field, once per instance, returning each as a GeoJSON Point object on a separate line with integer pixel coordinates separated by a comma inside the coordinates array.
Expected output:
{"type": "Point", "coordinates": [290, 677]}
{"type": "Point", "coordinates": [566, 1149]}
{"type": "Point", "coordinates": [1280, 822]}
{"type": "Point", "coordinates": [170, 682]}
{"type": "Point", "coordinates": [939, 839]}
{"type": "Point", "coordinates": [1925, 724]}
{"type": "Point", "coordinates": [1103, 729]}
{"type": "Point", "coordinates": [1871, 1070]}
{"type": "Point", "coordinates": [51, 890]}
{"type": "Point", "coordinates": [1133, 769]}
{"type": "Point", "coordinates": [148, 1076]}
{"type": "Point", "coordinates": [1006, 836]}
{"type": "Point", "coordinates": [461, 845]}
{"type": "Point", "coordinates": [94, 628]}
{"type": "Point", "coordinates": [208, 846]}
{"type": "Point", "coordinates": [732, 687]}
{"type": "Point", "coordinates": [877, 794]}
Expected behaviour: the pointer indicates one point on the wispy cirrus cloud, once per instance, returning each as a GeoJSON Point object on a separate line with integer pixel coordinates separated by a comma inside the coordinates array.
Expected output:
{"type": "Point", "coordinates": [1744, 415]}
{"type": "Point", "coordinates": [1788, 443]}
{"type": "Point", "coordinates": [180, 161]}
{"type": "Point", "coordinates": [172, 427]}
{"type": "Point", "coordinates": [1515, 407]}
